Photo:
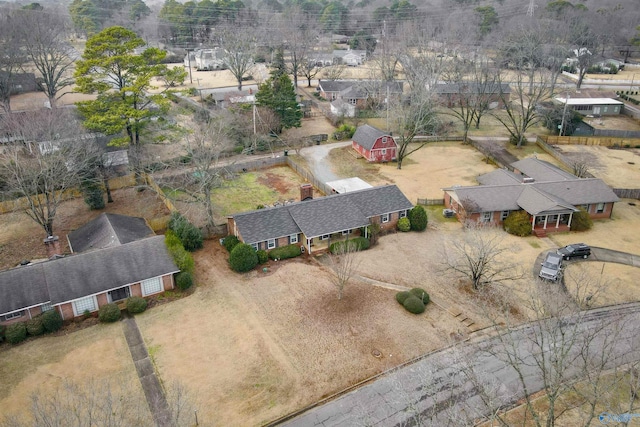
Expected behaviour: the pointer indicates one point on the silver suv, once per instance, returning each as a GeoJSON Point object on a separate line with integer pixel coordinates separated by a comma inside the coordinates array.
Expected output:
{"type": "Point", "coordinates": [551, 267]}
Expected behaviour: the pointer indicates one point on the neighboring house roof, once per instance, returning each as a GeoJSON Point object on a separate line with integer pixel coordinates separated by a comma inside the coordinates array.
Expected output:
{"type": "Point", "coordinates": [589, 101]}
{"type": "Point", "coordinates": [362, 86]}
{"type": "Point", "coordinates": [455, 88]}
{"type": "Point", "coordinates": [499, 177]}
{"type": "Point", "coordinates": [76, 276]}
{"type": "Point", "coordinates": [324, 215]}
{"type": "Point", "coordinates": [94, 272]}
{"type": "Point", "coordinates": [541, 170]}
{"type": "Point", "coordinates": [366, 136]}
{"type": "Point", "coordinates": [108, 230]}
{"type": "Point", "coordinates": [552, 190]}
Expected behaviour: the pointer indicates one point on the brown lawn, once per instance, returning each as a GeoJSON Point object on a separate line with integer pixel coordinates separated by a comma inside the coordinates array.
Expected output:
{"type": "Point", "coordinates": [21, 238]}
{"type": "Point", "coordinates": [43, 364]}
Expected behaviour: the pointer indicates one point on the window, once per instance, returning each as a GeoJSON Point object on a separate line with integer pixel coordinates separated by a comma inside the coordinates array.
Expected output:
{"type": "Point", "coordinates": [384, 139]}
{"type": "Point", "coordinates": [385, 218]}
{"type": "Point", "coordinates": [84, 304]}
{"type": "Point", "coordinates": [119, 294]}
{"type": "Point", "coordinates": [254, 246]}
{"type": "Point", "coordinates": [600, 208]}
{"type": "Point", "coordinates": [403, 214]}
{"type": "Point", "coordinates": [353, 101]}
{"type": "Point", "coordinates": [346, 232]}
{"type": "Point", "coordinates": [504, 215]}
{"type": "Point", "coordinates": [486, 216]}
{"type": "Point", "coordinates": [271, 243]}
{"type": "Point", "coordinates": [384, 151]}
{"type": "Point", "coordinates": [151, 286]}
{"type": "Point", "coordinates": [293, 238]}
{"type": "Point", "coordinates": [13, 315]}
{"type": "Point", "coordinates": [46, 307]}
{"type": "Point", "coordinates": [324, 237]}
{"type": "Point", "coordinates": [585, 207]}
{"type": "Point", "coordinates": [605, 109]}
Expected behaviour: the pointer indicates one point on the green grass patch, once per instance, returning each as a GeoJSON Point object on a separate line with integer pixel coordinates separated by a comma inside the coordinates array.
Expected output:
{"type": "Point", "coordinates": [535, 245]}
{"type": "Point", "coordinates": [434, 213]}
{"type": "Point", "coordinates": [242, 194]}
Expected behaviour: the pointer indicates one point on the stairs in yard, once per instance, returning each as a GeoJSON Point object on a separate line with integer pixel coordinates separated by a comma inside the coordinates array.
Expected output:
{"type": "Point", "coordinates": [540, 232]}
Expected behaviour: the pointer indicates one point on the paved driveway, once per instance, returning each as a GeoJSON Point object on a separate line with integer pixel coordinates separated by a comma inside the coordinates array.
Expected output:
{"type": "Point", "coordinates": [317, 158]}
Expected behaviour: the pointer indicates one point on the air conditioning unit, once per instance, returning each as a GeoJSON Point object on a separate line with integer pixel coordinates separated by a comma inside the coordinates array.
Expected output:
{"type": "Point", "coordinates": [448, 213]}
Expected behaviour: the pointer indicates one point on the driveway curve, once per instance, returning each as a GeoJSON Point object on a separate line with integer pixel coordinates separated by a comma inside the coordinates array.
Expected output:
{"type": "Point", "coordinates": [317, 158]}
{"type": "Point", "coordinates": [597, 254]}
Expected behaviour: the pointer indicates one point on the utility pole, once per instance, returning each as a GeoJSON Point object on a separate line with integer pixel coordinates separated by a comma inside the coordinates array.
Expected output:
{"type": "Point", "coordinates": [189, 50]}
{"type": "Point", "coordinates": [564, 113]}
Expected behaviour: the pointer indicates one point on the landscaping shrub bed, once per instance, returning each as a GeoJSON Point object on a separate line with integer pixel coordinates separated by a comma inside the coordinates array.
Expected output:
{"type": "Point", "coordinates": [360, 243]}
{"type": "Point", "coordinates": [414, 301]}
{"type": "Point", "coordinates": [284, 252]}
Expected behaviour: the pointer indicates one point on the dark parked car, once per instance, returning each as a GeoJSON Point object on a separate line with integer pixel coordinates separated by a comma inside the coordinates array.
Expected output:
{"type": "Point", "coordinates": [575, 250]}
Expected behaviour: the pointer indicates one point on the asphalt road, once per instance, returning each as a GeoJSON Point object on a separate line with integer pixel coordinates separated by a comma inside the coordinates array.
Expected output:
{"type": "Point", "coordinates": [462, 384]}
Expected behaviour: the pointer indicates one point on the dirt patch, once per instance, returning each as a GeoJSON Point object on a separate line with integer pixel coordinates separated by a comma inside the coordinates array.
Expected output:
{"type": "Point", "coordinates": [21, 238]}
{"type": "Point", "coordinates": [277, 182]}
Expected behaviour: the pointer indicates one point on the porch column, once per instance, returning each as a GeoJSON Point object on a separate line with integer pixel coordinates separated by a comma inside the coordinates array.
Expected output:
{"type": "Point", "coordinates": [558, 221]}
{"type": "Point", "coordinates": [533, 223]}
{"type": "Point", "coordinates": [570, 217]}
{"type": "Point", "coordinates": [546, 217]}
{"type": "Point", "coordinates": [308, 245]}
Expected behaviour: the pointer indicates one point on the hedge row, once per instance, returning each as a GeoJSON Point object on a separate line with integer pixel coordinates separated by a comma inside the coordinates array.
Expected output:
{"type": "Point", "coordinates": [359, 243]}
{"type": "Point", "coordinates": [284, 252]}
{"type": "Point", "coordinates": [49, 321]}
{"type": "Point", "coordinates": [181, 257]}
{"type": "Point", "coordinates": [189, 234]}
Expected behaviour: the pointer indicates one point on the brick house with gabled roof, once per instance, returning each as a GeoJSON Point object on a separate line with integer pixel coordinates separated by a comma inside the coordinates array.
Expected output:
{"type": "Point", "coordinates": [314, 224]}
{"type": "Point", "coordinates": [550, 195]}
{"type": "Point", "coordinates": [115, 265]}
{"type": "Point", "coordinates": [374, 145]}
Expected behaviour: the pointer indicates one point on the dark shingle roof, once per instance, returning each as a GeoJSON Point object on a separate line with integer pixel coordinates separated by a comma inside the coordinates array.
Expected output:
{"type": "Point", "coordinates": [541, 171]}
{"type": "Point", "coordinates": [580, 191]}
{"type": "Point", "coordinates": [455, 88]}
{"type": "Point", "coordinates": [84, 274]}
{"type": "Point", "coordinates": [93, 272]}
{"type": "Point", "coordinates": [22, 287]}
{"type": "Point", "coordinates": [536, 201]}
{"type": "Point", "coordinates": [324, 215]}
{"type": "Point", "coordinates": [108, 230]}
{"type": "Point", "coordinates": [366, 136]}
{"type": "Point", "coordinates": [488, 198]}
{"type": "Point", "coordinates": [499, 177]}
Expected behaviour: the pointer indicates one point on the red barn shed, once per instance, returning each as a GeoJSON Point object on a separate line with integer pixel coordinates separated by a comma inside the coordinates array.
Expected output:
{"type": "Point", "coordinates": [374, 144]}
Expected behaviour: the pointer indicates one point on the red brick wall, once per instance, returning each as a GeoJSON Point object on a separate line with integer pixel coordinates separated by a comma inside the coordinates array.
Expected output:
{"type": "Point", "coordinates": [167, 282]}
{"type": "Point", "coordinates": [67, 311]}
{"type": "Point", "coordinates": [102, 299]}
{"type": "Point", "coordinates": [36, 311]}
{"type": "Point", "coordinates": [136, 290]}
{"type": "Point", "coordinates": [608, 209]}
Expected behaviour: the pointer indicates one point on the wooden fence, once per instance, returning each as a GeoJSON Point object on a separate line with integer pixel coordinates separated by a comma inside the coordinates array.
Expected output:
{"type": "Point", "coordinates": [627, 193]}
{"type": "Point", "coordinates": [22, 203]}
{"type": "Point", "coordinates": [431, 202]}
{"type": "Point", "coordinates": [604, 141]}
{"type": "Point", "coordinates": [304, 173]}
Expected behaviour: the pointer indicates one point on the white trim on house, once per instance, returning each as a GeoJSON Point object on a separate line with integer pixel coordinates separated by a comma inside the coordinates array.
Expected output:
{"type": "Point", "coordinates": [27, 308]}
{"type": "Point", "coordinates": [156, 282]}
{"type": "Point", "coordinates": [293, 239]}
{"type": "Point", "coordinates": [79, 311]}
{"type": "Point", "coordinates": [117, 287]}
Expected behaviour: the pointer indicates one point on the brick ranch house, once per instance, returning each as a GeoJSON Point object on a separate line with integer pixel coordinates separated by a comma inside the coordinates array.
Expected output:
{"type": "Point", "coordinates": [374, 144]}
{"type": "Point", "coordinates": [550, 195]}
{"type": "Point", "coordinates": [313, 224]}
{"type": "Point", "coordinates": [118, 257]}
{"type": "Point", "coordinates": [359, 92]}
{"type": "Point", "coordinates": [492, 95]}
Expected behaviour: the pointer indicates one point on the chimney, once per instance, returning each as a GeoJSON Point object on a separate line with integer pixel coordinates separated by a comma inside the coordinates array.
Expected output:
{"type": "Point", "coordinates": [53, 246]}
{"type": "Point", "coordinates": [306, 192]}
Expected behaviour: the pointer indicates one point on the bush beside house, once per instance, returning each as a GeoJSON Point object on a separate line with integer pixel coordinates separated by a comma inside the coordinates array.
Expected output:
{"type": "Point", "coordinates": [285, 252]}
{"type": "Point", "coordinates": [16, 333]}
{"type": "Point", "coordinates": [360, 244]}
{"type": "Point", "coordinates": [518, 223]}
{"type": "Point", "coordinates": [51, 320]}
{"type": "Point", "coordinates": [243, 258]}
{"type": "Point", "coordinates": [230, 242]}
{"type": "Point", "coordinates": [189, 234]}
{"type": "Point", "coordinates": [418, 218]}
{"type": "Point", "coordinates": [581, 221]}
{"type": "Point", "coordinates": [109, 313]}
{"type": "Point", "coordinates": [404, 225]}
{"type": "Point", "coordinates": [136, 305]}
{"type": "Point", "coordinates": [184, 280]}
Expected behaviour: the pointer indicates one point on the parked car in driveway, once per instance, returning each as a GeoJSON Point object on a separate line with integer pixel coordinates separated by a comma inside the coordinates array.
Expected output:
{"type": "Point", "coordinates": [574, 250]}
{"type": "Point", "coordinates": [551, 267]}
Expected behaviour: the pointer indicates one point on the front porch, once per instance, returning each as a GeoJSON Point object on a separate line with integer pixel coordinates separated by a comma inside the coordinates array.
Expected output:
{"type": "Point", "coordinates": [542, 224]}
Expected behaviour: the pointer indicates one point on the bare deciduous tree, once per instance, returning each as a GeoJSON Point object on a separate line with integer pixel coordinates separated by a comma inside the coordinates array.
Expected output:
{"type": "Point", "coordinates": [343, 263]}
{"type": "Point", "coordinates": [49, 162]}
{"type": "Point", "coordinates": [11, 56]}
{"type": "Point", "coordinates": [45, 43]}
{"type": "Point", "coordinates": [481, 256]}
{"type": "Point", "coordinates": [239, 47]}
{"type": "Point", "coordinates": [334, 72]}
